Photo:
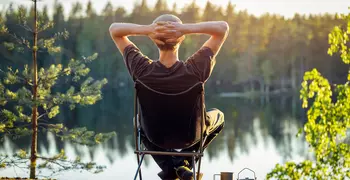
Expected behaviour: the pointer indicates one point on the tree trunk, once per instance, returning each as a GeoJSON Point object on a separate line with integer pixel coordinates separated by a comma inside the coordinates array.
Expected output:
{"type": "Point", "coordinates": [33, 153]}
{"type": "Point", "coordinates": [293, 74]}
{"type": "Point", "coordinates": [282, 82]}
{"type": "Point", "coordinates": [262, 86]}
{"type": "Point", "coordinates": [251, 84]}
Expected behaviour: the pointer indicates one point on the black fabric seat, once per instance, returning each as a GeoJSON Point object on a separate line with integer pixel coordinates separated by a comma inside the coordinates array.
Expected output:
{"type": "Point", "coordinates": [171, 121]}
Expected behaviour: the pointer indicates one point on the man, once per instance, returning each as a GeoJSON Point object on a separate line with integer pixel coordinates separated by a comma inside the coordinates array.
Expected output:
{"type": "Point", "coordinates": [170, 75]}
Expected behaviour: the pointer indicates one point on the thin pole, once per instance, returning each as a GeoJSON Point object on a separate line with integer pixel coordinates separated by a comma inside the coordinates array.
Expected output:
{"type": "Point", "coordinates": [194, 167]}
{"type": "Point", "coordinates": [135, 132]}
{"type": "Point", "coordinates": [139, 167]}
{"type": "Point", "coordinates": [202, 124]}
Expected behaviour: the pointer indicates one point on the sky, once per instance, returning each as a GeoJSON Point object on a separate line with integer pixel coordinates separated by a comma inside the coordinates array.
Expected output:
{"type": "Point", "coordinates": [286, 8]}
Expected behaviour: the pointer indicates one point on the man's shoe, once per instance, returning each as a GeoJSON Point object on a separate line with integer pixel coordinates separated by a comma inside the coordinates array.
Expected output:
{"type": "Point", "coordinates": [166, 176]}
{"type": "Point", "coordinates": [184, 173]}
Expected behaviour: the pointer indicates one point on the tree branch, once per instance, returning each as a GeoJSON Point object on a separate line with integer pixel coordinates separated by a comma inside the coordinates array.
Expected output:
{"type": "Point", "coordinates": [70, 165]}
{"type": "Point", "coordinates": [45, 124]}
{"type": "Point", "coordinates": [42, 115]}
{"type": "Point", "coordinates": [3, 159]}
{"type": "Point", "coordinates": [51, 160]}
{"type": "Point", "coordinates": [19, 41]}
{"type": "Point", "coordinates": [58, 75]}
{"type": "Point", "coordinates": [20, 78]}
{"type": "Point", "coordinates": [26, 27]}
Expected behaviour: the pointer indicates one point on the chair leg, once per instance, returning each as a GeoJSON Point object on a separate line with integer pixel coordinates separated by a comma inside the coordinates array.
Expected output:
{"type": "Point", "coordinates": [139, 167]}
{"type": "Point", "coordinates": [138, 156]}
{"type": "Point", "coordinates": [200, 159]}
{"type": "Point", "coordinates": [199, 166]}
{"type": "Point", "coordinates": [194, 167]}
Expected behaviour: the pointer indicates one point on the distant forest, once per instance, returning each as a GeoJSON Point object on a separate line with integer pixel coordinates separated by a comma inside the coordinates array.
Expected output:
{"type": "Point", "coordinates": [263, 53]}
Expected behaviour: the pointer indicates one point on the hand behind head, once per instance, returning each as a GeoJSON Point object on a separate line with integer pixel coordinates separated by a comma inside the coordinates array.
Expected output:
{"type": "Point", "coordinates": [169, 32]}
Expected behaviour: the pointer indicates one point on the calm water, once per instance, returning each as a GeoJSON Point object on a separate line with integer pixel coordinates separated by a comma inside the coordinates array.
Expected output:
{"type": "Point", "coordinates": [258, 134]}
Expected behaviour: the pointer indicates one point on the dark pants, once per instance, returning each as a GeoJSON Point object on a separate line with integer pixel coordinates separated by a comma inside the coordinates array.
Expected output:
{"type": "Point", "coordinates": [215, 119]}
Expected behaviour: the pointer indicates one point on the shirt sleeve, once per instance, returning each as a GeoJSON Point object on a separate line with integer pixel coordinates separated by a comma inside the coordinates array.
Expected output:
{"type": "Point", "coordinates": [135, 61]}
{"type": "Point", "coordinates": [202, 63]}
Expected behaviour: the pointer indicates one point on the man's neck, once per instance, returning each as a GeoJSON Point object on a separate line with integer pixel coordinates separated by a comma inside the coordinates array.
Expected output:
{"type": "Point", "coordinates": [168, 58]}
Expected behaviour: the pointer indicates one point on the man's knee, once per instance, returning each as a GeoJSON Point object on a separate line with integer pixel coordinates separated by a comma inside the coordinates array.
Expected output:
{"type": "Point", "coordinates": [220, 119]}
{"type": "Point", "coordinates": [213, 109]}
{"type": "Point", "coordinates": [215, 113]}
{"type": "Point", "coordinates": [220, 114]}
{"type": "Point", "coordinates": [215, 118]}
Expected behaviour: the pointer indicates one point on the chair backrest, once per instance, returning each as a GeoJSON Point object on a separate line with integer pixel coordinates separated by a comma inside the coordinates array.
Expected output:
{"type": "Point", "coordinates": [171, 121]}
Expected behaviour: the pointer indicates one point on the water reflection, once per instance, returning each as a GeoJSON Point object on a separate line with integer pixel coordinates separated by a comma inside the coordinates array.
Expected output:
{"type": "Point", "coordinates": [258, 134]}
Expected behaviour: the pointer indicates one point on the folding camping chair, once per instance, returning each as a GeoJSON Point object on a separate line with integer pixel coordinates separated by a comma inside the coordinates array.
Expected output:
{"type": "Point", "coordinates": [169, 121]}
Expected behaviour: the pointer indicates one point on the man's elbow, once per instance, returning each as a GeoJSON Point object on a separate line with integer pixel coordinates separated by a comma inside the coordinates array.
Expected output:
{"type": "Point", "coordinates": [224, 27]}
{"type": "Point", "coordinates": [113, 30]}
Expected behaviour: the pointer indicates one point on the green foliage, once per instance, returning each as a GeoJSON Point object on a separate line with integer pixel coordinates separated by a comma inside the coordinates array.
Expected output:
{"type": "Point", "coordinates": [88, 93]}
{"type": "Point", "coordinates": [60, 162]}
{"type": "Point", "coordinates": [328, 121]}
{"type": "Point", "coordinates": [3, 28]}
{"type": "Point", "coordinates": [79, 135]}
{"type": "Point", "coordinates": [290, 45]}
{"type": "Point", "coordinates": [56, 164]}
{"type": "Point", "coordinates": [17, 99]}
{"type": "Point", "coordinates": [267, 71]}
{"type": "Point", "coordinates": [339, 39]}
{"type": "Point", "coordinates": [49, 44]}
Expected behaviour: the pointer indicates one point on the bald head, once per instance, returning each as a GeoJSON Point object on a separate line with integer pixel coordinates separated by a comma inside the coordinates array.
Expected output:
{"type": "Point", "coordinates": [167, 17]}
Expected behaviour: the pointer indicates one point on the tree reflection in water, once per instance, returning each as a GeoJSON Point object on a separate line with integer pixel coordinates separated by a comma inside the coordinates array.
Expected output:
{"type": "Point", "coordinates": [247, 123]}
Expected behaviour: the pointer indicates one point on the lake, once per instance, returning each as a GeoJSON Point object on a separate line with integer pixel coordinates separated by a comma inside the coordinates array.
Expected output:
{"type": "Point", "coordinates": [258, 134]}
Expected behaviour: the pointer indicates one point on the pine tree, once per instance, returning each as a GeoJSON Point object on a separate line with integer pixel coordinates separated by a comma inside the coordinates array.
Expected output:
{"type": "Point", "coordinates": [30, 102]}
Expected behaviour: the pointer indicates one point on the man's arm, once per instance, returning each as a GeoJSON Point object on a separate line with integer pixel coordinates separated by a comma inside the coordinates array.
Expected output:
{"type": "Point", "coordinates": [120, 32]}
{"type": "Point", "coordinates": [218, 31]}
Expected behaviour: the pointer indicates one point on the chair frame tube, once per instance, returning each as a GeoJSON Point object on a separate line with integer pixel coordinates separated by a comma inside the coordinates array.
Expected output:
{"type": "Point", "coordinates": [136, 136]}
{"type": "Point", "coordinates": [202, 128]}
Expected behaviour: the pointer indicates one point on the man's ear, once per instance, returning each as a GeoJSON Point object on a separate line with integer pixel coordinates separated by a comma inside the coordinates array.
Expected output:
{"type": "Point", "coordinates": [181, 39]}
